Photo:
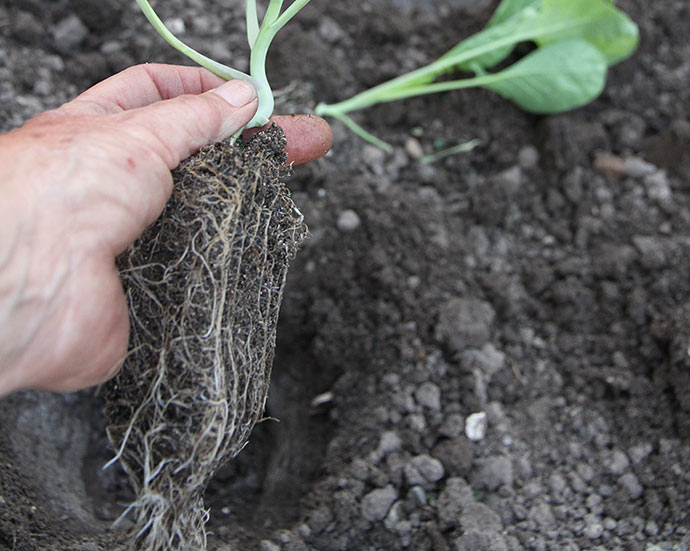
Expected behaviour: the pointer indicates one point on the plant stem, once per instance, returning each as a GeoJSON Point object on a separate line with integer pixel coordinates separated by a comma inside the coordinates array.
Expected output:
{"type": "Point", "coordinates": [393, 89]}
{"type": "Point", "coordinates": [257, 64]}
{"type": "Point", "coordinates": [407, 85]}
{"type": "Point", "coordinates": [454, 150]}
{"type": "Point", "coordinates": [257, 69]}
{"type": "Point", "coordinates": [444, 86]}
{"type": "Point", "coordinates": [219, 69]}
{"type": "Point", "coordinates": [252, 22]}
{"type": "Point", "coordinates": [362, 133]}
{"type": "Point", "coordinates": [272, 13]}
{"type": "Point", "coordinates": [272, 23]}
{"type": "Point", "coordinates": [259, 37]}
{"type": "Point", "coordinates": [289, 13]}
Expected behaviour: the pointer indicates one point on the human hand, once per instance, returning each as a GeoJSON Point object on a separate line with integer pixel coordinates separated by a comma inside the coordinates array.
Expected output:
{"type": "Point", "coordinates": [77, 186]}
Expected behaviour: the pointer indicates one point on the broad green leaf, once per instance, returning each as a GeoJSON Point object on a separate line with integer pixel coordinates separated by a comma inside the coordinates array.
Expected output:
{"type": "Point", "coordinates": [493, 35]}
{"type": "Point", "coordinates": [508, 12]}
{"type": "Point", "coordinates": [548, 21]}
{"type": "Point", "coordinates": [508, 8]}
{"type": "Point", "coordinates": [554, 78]}
{"type": "Point", "coordinates": [598, 22]}
{"type": "Point", "coordinates": [576, 39]}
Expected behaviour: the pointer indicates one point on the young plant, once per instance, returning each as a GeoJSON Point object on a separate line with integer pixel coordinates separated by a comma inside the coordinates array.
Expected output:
{"type": "Point", "coordinates": [576, 41]}
{"type": "Point", "coordinates": [260, 35]}
{"type": "Point", "coordinates": [204, 285]}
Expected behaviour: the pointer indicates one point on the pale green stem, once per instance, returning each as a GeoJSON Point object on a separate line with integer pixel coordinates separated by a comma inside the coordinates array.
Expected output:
{"type": "Point", "coordinates": [219, 69]}
{"type": "Point", "coordinates": [459, 148]}
{"type": "Point", "coordinates": [339, 110]}
{"type": "Point", "coordinates": [259, 37]}
{"type": "Point", "coordinates": [257, 64]}
{"type": "Point", "coordinates": [252, 22]}
{"type": "Point", "coordinates": [257, 68]}
{"type": "Point", "coordinates": [272, 23]}
{"type": "Point", "coordinates": [444, 86]}
{"type": "Point", "coordinates": [393, 89]}
{"type": "Point", "coordinates": [364, 134]}
{"type": "Point", "coordinates": [272, 13]}
{"type": "Point", "coordinates": [289, 13]}
{"type": "Point", "coordinates": [339, 113]}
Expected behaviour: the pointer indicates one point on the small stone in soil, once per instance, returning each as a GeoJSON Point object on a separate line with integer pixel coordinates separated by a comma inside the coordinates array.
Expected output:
{"type": "Point", "coordinates": [528, 157]}
{"type": "Point", "coordinates": [375, 504]}
{"type": "Point", "coordinates": [475, 426]}
{"type": "Point", "coordinates": [390, 442]}
{"type": "Point", "coordinates": [618, 463]}
{"type": "Point", "coordinates": [543, 516]}
{"type": "Point", "coordinates": [631, 485]}
{"type": "Point", "coordinates": [429, 395]}
{"type": "Point", "coordinates": [593, 527]}
{"type": "Point", "coordinates": [423, 469]}
{"type": "Point", "coordinates": [348, 221]}
{"type": "Point", "coordinates": [414, 149]}
{"type": "Point", "coordinates": [69, 34]}
{"type": "Point", "coordinates": [267, 545]}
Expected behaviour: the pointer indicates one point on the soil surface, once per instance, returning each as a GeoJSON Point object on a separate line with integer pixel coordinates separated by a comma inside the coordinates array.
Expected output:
{"type": "Point", "coordinates": [538, 283]}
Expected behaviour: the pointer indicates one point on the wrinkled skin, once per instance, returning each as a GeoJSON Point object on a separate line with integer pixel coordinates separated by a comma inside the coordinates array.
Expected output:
{"type": "Point", "coordinates": [81, 183]}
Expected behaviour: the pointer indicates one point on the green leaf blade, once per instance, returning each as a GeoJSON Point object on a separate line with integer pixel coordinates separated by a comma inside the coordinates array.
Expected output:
{"type": "Point", "coordinates": [510, 16]}
{"type": "Point", "coordinates": [508, 8]}
{"type": "Point", "coordinates": [546, 22]}
{"type": "Point", "coordinates": [512, 26]}
{"type": "Point", "coordinates": [598, 22]}
{"type": "Point", "coordinates": [554, 78]}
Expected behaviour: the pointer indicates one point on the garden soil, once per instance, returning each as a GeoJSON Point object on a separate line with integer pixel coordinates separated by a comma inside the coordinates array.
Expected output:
{"type": "Point", "coordinates": [538, 284]}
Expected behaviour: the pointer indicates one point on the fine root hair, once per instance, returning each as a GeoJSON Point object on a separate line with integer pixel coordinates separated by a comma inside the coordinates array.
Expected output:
{"type": "Point", "coordinates": [204, 285]}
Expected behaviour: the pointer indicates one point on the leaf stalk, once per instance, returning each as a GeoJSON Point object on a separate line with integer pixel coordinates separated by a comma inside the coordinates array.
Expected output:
{"type": "Point", "coordinates": [259, 36]}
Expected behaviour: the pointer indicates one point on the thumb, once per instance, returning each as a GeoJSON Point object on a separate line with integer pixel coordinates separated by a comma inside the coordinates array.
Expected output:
{"type": "Point", "coordinates": [178, 127]}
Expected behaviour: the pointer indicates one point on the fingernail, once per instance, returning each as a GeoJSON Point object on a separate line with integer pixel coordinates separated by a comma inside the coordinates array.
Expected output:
{"type": "Point", "coordinates": [236, 92]}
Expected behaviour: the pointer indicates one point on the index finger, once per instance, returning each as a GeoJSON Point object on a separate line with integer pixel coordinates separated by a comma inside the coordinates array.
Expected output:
{"type": "Point", "coordinates": [143, 85]}
{"type": "Point", "coordinates": [308, 137]}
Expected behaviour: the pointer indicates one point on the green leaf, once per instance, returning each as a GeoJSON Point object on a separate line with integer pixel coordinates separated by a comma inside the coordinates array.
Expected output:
{"type": "Point", "coordinates": [598, 22]}
{"type": "Point", "coordinates": [576, 39]}
{"type": "Point", "coordinates": [508, 8]}
{"type": "Point", "coordinates": [505, 13]}
{"type": "Point", "coordinates": [490, 35]}
{"type": "Point", "coordinates": [554, 78]}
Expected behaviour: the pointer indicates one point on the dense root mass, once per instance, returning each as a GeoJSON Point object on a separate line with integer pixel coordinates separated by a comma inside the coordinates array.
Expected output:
{"type": "Point", "coordinates": [204, 285]}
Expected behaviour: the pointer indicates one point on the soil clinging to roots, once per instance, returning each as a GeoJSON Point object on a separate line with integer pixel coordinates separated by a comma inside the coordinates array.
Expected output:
{"type": "Point", "coordinates": [204, 284]}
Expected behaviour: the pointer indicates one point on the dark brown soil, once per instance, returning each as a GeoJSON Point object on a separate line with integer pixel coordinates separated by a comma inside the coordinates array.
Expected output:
{"type": "Point", "coordinates": [540, 279]}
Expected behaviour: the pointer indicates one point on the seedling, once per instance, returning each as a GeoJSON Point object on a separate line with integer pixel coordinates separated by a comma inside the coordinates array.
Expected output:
{"type": "Point", "coordinates": [259, 36]}
{"type": "Point", "coordinates": [576, 41]}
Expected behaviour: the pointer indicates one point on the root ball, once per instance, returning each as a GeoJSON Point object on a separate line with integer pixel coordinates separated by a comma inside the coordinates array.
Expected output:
{"type": "Point", "coordinates": [204, 284]}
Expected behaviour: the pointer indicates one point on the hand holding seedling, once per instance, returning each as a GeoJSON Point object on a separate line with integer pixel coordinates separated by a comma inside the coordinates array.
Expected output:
{"type": "Point", "coordinates": [79, 185]}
